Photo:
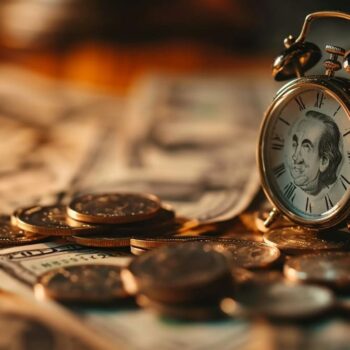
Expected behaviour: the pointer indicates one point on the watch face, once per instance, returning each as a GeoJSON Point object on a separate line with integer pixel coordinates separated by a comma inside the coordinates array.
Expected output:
{"type": "Point", "coordinates": [306, 154]}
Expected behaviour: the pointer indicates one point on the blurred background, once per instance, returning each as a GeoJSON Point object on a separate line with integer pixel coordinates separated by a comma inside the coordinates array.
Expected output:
{"type": "Point", "coordinates": [109, 43]}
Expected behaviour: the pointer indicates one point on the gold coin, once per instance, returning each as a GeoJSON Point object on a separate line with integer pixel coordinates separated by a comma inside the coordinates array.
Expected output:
{"type": "Point", "coordinates": [248, 254]}
{"type": "Point", "coordinates": [113, 208]}
{"type": "Point", "coordinates": [328, 268]}
{"type": "Point", "coordinates": [10, 235]}
{"type": "Point", "coordinates": [280, 301]}
{"type": "Point", "coordinates": [163, 219]}
{"type": "Point", "coordinates": [47, 220]}
{"type": "Point", "coordinates": [101, 240]}
{"type": "Point", "coordinates": [82, 284]}
{"type": "Point", "coordinates": [299, 240]}
{"type": "Point", "coordinates": [152, 242]}
{"type": "Point", "coordinates": [185, 272]}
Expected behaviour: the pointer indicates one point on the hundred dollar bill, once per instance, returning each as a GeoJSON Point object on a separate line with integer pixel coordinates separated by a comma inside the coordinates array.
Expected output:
{"type": "Point", "coordinates": [28, 262]}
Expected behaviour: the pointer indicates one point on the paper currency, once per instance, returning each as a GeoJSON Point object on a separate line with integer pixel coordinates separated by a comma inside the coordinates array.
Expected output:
{"type": "Point", "coordinates": [129, 328]}
{"type": "Point", "coordinates": [190, 140]}
{"type": "Point", "coordinates": [26, 263]}
{"type": "Point", "coordinates": [50, 135]}
{"type": "Point", "coordinates": [28, 326]}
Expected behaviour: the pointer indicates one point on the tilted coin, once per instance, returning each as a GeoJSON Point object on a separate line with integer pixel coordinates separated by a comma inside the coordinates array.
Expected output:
{"type": "Point", "coordinates": [102, 240]}
{"type": "Point", "coordinates": [298, 240]}
{"type": "Point", "coordinates": [11, 235]}
{"type": "Point", "coordinates": [151, 242]}
{"type": "Point", "coordinates": [185, 272]}
{"type": "Point", "coordinates": [203, 311]}
{"type": "Point", "coordinates": [246, 254]}
{"type": "Point", "coordinates": [47, 220]}
{"type": "Point", "coordinates": [281, 301]}
{"type": "Point", "coordinates": [155, 241]}
{"type": "Point", "coordinates": [82, 284]}
{"type": "Point", "coordinates": [329, 268]}
{"type": "Point", "coordinates": [113, 208]}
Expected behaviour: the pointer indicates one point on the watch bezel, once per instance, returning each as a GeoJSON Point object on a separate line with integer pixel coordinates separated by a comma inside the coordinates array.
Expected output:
{"type": "Point", "coordinates": [338, 89]}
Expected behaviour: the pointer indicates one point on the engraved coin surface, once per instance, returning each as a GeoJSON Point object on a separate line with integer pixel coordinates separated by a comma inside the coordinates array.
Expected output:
{"type": "Point", "coordinates": [82, 283]}
{"type": "Point", "coordinates": [10, 235]}
{"type": "Point", "coordinates": [114, 208]}
{"type": "Point", "coordinates": [247, 254]}
{"type": "Point", "coordinates": [284, 301]}
{"type": "Point", "coordinates": [188, 271]}
{"type": "Point", "coordinates": [297, 240]}
{"type": "Point", "coordinates": [329, 268]}
{"type": "Point", "coordinates": [47, 220]}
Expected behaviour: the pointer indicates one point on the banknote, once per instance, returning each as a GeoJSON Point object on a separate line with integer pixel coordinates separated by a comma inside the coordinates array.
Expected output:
{"type": "Point", "coordinates": [49, 136]}
{"type": "Point", "coordinates": [28, 325]}
{"type": "Point", "coordinates": [28, 262]}
{"type": "Point", "coordinates": [130, 328]}
{"type": "Point", "coordinates": [191, 140]}
{"type": "Point", "coordinates": [125, 328]}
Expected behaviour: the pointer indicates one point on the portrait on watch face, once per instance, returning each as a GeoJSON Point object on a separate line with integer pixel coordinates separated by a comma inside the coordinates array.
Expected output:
{"type": "Point", "coordinates": [315, 152]}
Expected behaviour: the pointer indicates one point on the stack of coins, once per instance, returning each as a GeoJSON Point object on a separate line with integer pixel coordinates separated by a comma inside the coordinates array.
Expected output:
{"type": "Point", "coordinates": [301, 273]}
{"type": "Point", "coordinates": [184, 281]}
{"type": "Point", "coordinates": [185, 271]}
{"type": "Point", "coordinates": [96, 220]}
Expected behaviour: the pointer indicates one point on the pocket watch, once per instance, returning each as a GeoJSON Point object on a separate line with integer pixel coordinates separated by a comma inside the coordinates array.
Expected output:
{"type": "Point", "coordinates": [304, 141]}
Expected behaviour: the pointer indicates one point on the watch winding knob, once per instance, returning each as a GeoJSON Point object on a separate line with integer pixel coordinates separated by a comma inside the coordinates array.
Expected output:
{"type": "Point", "coordinates": [332, 64]}
{"type": "Point", "coordinates": [346, 62]}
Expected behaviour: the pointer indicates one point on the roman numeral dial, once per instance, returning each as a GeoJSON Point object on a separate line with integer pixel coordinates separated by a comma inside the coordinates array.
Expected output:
{"type": "Point", "coordinates": [307, 148]}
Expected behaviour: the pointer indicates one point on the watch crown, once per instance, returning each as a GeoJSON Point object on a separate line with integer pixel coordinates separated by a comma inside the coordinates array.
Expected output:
{"type": "Point", "coordinates": [332, 64]}
{"type": "Point", "coordinates": [346, 62]}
